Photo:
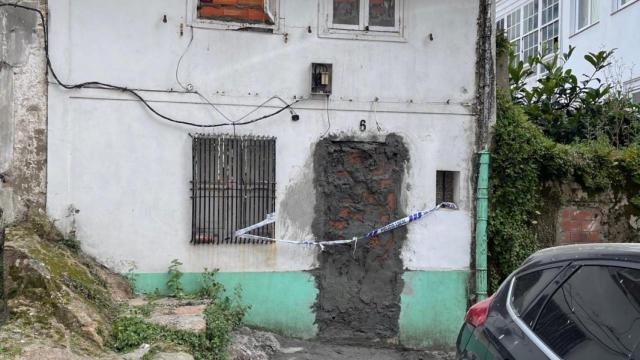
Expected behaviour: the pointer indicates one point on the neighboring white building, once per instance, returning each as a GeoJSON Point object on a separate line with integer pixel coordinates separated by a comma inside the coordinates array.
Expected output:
{"type": "Point", "coordinates": [402, 89]}
{"type": "Point", "coordinates": [588, 25]}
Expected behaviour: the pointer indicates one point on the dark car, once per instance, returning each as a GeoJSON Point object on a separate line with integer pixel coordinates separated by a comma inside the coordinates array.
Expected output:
{"type": "Point", "coordinates": [568, 302]}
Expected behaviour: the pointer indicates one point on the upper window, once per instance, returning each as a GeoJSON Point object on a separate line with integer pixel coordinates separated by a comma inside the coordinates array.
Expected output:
{"type": "Point", "coordinates": [362, 19]}
{"type": "Point", "coordinates": [619, 4]}
{"type": "Point", "coordinates": [585, 14]}
{"type": "Point", "coordinates": [533, 28]}
{"type": "Point", "coordinates": [583, 321]}
{"type": "Point", "coordinates": [234, 14]}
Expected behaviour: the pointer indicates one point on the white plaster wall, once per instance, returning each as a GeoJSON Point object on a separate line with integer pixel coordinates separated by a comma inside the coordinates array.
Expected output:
{"type": "Point", "coordinates": [128, 172]}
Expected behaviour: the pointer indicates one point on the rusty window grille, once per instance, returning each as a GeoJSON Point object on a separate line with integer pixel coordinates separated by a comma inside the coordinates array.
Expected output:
{"type": "Point", "coordinates": [233, 186]}
{"type": "Point", "coordinates": [445, 186]}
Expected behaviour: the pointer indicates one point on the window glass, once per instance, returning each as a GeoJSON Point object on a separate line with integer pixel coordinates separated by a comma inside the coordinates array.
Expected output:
{"type": "Point", "coordinates": [527, 287]}
{"type": "Point", "coordinates": [594, 315]}
{"type": "Point", "coordinates": [382, 13]}
{"type": "Point", "coordinates": [346, 12]}
{"type": "Point", "coordinates": [530, 15]}
{"type": "Point", "coordinates": [636, 97]}
{"type": "Point", "coordinates": [595, 11]}
{"type": "Point", "coordinates": [583, 13]}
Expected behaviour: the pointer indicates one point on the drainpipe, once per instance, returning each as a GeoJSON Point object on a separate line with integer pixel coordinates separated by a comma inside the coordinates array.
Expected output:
{"type": "Point", "coordinates": [482, 215]}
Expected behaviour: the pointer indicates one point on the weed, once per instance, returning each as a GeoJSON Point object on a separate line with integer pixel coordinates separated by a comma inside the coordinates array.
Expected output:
{"type": "Point", "coordinates": [173, 281]}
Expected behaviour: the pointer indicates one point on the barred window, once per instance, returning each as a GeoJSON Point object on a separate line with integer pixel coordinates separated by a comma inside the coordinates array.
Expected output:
{"type": "Point", "coordinates": [233, 186]}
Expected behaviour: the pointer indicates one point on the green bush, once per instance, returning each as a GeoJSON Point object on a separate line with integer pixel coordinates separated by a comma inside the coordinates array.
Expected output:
{"type": "Point", "coordinates": [524, 159]}
{"type": "Point", "coordinates": [222, 315]}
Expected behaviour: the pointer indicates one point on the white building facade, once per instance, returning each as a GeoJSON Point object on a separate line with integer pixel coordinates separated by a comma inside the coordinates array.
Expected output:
{"type": "Point", "coordinates": [401, 72]}
{"type": "Point", "coordinates": [535, 26]}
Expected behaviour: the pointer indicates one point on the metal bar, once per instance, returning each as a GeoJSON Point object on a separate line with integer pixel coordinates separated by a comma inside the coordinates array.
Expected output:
{"type": "Point", "coordinates": [236, 210]}
{"type": "Point", "coordinates": [214, 186]}
{"type": "Point", "coordinates": [199, 194]}
{"type": "Point", "coordinates": [193, 189]}
{"type": "Point", "coordinates": [254, 176]}
{"type": "Point", "coordinates": [225, 179]}
{"type": "Point", "coordinates": [210, 155]}
{"type": "Point", "coordinates": [273, 184]}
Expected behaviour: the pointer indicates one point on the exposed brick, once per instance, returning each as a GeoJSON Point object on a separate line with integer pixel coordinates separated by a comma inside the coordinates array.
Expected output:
{"type": "Point", "coordinates": [368, 198]}
{"type": "Point", "coordinates": [391, 201]}
{"type": "Point", "coordinates": [354, 157]}
{"type": "Point", "coordinates": [384, 219]}
{"type": "Point", "coordinates": [579, 237]}
{"type": "Point", "coordinates": [344, 213]}
{"type": "Point", "coordinates": [566, 213]}
{"type": "Point", "coordinates": [584, 215]}
{"type": "Point", "coordinates": [374, 241]}
{"type": "Point", "coordinates": [342, 173]}
{"type": "Point", "coordinates": [570, 225]}
{"type": "Point", "coordinates": [594, 236]}
{"type": "Point", "coordinates": [358, 216]}
{"type": "Point", "coordinates": [337, 224]}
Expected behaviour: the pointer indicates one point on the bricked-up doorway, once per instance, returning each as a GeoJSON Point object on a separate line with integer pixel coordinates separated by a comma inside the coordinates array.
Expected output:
{"type": "Point", "coordinates": [358, 188]}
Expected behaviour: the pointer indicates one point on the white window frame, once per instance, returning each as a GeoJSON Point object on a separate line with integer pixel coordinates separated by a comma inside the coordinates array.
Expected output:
{"type": "Point", "coordinates": [617, 5]}
{"type": "Point", "coordinates": [271, 7]}
{"type": "Point", "coordinates": [362, 31]}
{"type": "Point", "coordinates": [575, 16]}
{"type": "Point", "coordinates": [521, 34]}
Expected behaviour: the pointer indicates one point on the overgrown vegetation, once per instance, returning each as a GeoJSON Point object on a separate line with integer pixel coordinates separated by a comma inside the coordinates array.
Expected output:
{"type": "Point", "coordinates": [222, 315]}
{"type": "Point", "coordinates": [560, 130]}
{"type": "Point", "coordinates": [173, 281]}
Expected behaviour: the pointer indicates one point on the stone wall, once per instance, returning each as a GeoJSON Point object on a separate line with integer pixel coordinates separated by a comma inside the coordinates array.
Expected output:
{"type": "Point", "coordinates": [23, 111]}
{"type": "Point", "coordinates": [23, 117]}
{"type": "Point", "coordinates": [573, 216]}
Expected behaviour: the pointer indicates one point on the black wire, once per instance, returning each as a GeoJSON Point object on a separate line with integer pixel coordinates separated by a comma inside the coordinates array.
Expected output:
{"type": "Point", "coordinates": [134, 93]}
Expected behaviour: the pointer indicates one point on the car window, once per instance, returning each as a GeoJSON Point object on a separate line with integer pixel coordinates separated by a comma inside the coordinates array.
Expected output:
{"type": "Point", "coordinates": [528, 286]}
{"type": "Point", "coordinates": [595, 314]}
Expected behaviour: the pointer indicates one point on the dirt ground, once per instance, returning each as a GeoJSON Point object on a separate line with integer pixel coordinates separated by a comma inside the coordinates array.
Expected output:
{"type": "Point", "coordinates": [292, 349]}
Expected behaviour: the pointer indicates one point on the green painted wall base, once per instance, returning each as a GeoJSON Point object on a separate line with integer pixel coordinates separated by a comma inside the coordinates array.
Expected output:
{"type": "Point", "coordinates": [280, 301]}
{"type": "Point", "coordinates": [433, 305]}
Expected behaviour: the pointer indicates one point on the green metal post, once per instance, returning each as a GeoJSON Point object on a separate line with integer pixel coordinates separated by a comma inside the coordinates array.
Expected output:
{"type": "Point", "coordinates": [482, 215]}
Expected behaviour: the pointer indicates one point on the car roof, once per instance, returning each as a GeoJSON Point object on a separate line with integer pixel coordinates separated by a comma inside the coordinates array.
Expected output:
{"type": "Point", "coordinates": [607, 251]}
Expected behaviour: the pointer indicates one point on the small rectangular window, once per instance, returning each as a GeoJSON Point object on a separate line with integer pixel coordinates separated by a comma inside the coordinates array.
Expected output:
{"type": "Point", "coordinates": [446, 186]}
{"type": "Point", "coordinates": [233, 186]}
{"type": "Point", "coordinates": [635, 97]}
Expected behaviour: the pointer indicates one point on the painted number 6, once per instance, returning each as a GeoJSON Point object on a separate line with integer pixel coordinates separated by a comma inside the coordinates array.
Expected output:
{"type": "Point", "coordinates": [363, 125]}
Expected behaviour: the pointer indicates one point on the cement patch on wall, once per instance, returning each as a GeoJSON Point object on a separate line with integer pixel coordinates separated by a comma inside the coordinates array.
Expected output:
{"type": "Point", "coordinates": [358, 187]}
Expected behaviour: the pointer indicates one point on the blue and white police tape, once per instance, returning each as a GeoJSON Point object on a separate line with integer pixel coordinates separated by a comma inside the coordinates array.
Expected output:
{"type": "Point", "coordinates": [271, 218]}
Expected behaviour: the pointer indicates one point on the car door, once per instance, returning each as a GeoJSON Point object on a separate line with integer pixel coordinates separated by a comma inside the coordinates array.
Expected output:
{"type": "Point", "coordinates": [506, 333]}
{"type": "Point", "coordinates": [594, 314]}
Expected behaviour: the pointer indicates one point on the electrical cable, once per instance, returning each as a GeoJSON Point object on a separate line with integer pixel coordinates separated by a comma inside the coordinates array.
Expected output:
{"type": "Point", "coordinates": [328, 118]}
{"type": "Point", "coordinates": [134, 93]}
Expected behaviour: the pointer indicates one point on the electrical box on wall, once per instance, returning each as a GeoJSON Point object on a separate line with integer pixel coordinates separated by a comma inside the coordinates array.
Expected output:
{"type": "Point", "coordinates": [321, 79]}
